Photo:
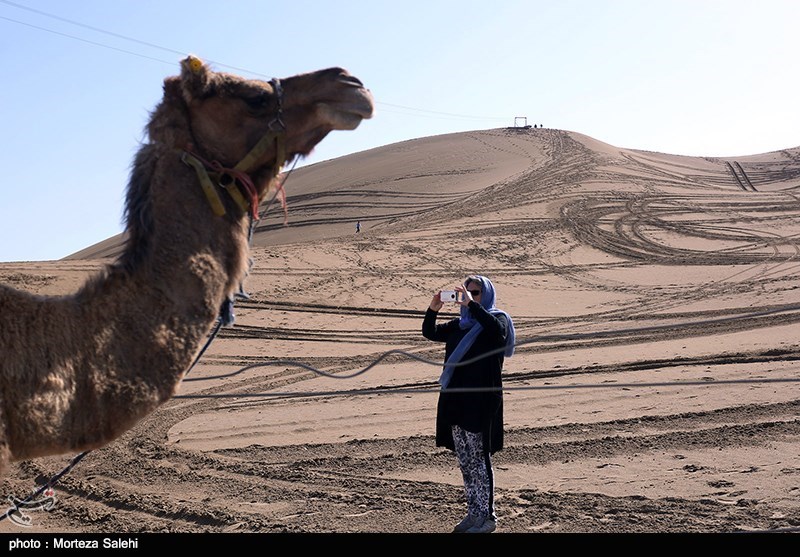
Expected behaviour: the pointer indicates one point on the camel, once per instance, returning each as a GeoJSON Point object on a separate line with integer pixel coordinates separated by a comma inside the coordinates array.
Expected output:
{"type": "Point", "coordinates": [79, 370]}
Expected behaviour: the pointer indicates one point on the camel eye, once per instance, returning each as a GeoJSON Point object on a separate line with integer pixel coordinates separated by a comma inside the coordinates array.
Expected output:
{"type": "Point", "coordinates": [258, 102]}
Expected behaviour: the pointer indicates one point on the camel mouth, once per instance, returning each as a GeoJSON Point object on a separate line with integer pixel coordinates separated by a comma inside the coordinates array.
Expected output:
{"type": "Point", "coordinates": [366, 109]}
{"type": "Point", "coordinates": [348, 118]}
{"type": "Point", "coordinates": [363, 112]}
{"type": "Point", "coordinates": [358, 102]}
{"type": "Point", "coordinates": [348, 113]}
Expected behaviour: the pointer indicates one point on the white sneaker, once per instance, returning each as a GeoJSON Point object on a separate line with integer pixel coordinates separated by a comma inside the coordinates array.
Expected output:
{"type": "Point", "coordinates": [486, 527]}
{"type": "Point", "coordinates": [465, 524]}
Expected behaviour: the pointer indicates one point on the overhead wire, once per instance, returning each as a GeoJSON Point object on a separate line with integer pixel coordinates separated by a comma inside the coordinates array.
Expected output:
{"type": "Point", "coordinates": [419, 112]}
{"type": "Point", "coordinates": [94, 43]}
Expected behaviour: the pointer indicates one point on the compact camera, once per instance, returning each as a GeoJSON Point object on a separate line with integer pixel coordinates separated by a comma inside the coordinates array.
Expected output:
{"type": "Point", "coordinates": [449, 296]}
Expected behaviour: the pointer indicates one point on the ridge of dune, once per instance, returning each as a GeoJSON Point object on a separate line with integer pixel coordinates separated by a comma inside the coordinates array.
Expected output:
{"type": "Point", "coordinates": [382, 186]}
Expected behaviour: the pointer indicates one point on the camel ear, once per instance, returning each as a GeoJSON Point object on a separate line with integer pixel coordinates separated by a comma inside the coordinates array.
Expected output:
{"type": "Point", "coordinates": [173, 90]}
{"type": "Point", "coordinates": [195, 78]}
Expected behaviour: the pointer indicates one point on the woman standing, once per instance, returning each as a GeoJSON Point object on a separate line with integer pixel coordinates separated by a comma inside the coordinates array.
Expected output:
{"type": "Point", "coordinates": [469, 418]}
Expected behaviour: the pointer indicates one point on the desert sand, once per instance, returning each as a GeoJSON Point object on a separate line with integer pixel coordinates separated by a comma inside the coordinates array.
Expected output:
{"type": "Point", "coordinates": [654, 388]}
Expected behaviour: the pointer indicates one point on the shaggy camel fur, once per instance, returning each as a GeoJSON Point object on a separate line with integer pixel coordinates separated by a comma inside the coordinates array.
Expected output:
{"type": "Point", "coordinates": [77, 371]}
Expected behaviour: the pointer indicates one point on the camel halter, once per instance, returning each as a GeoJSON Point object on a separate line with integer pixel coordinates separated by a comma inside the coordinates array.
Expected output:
{"type": "Point", "coordinates": [232, 179]}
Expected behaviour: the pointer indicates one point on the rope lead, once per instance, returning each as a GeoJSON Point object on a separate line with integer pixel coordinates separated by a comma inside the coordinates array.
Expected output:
{"type": "Point", "coordinates": [15, 512]}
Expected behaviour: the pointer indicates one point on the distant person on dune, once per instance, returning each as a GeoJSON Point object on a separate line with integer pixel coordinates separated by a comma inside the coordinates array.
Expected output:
{"type": "Point", "coordinates": [471, 423]}
{"type": "Point", "coordinates": [358, 226]}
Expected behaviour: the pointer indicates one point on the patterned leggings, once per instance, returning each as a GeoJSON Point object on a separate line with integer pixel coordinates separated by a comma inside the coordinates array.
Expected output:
{"type": "Point", "coordinates": [476, 468]}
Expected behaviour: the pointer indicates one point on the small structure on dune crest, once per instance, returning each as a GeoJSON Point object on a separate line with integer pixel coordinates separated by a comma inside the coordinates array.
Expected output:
{"type": "Point", "coordinates": [521, 123]}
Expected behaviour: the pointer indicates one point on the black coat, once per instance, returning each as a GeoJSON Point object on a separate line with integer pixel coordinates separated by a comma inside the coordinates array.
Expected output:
{"type": "Point", "coordinates": [478, 411]}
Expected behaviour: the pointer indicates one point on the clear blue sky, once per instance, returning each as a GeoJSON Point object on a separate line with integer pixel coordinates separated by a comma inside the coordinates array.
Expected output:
{"type": "Point", "coordinates": [690, 77]}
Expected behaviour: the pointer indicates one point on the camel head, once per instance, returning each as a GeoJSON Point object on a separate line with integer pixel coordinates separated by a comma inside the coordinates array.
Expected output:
{"type": "Point", "coordinates": [225, 118]}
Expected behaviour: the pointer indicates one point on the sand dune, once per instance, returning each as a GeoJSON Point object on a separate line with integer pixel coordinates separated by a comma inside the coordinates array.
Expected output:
{"type": "Point", "coordinates": [655, 384]}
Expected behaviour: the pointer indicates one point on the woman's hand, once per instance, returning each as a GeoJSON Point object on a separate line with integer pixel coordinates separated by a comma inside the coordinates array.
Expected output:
{"type": "Point", "coordinates": [436, 301]}
{"type": "Point", "coordinates": [465, 298]}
